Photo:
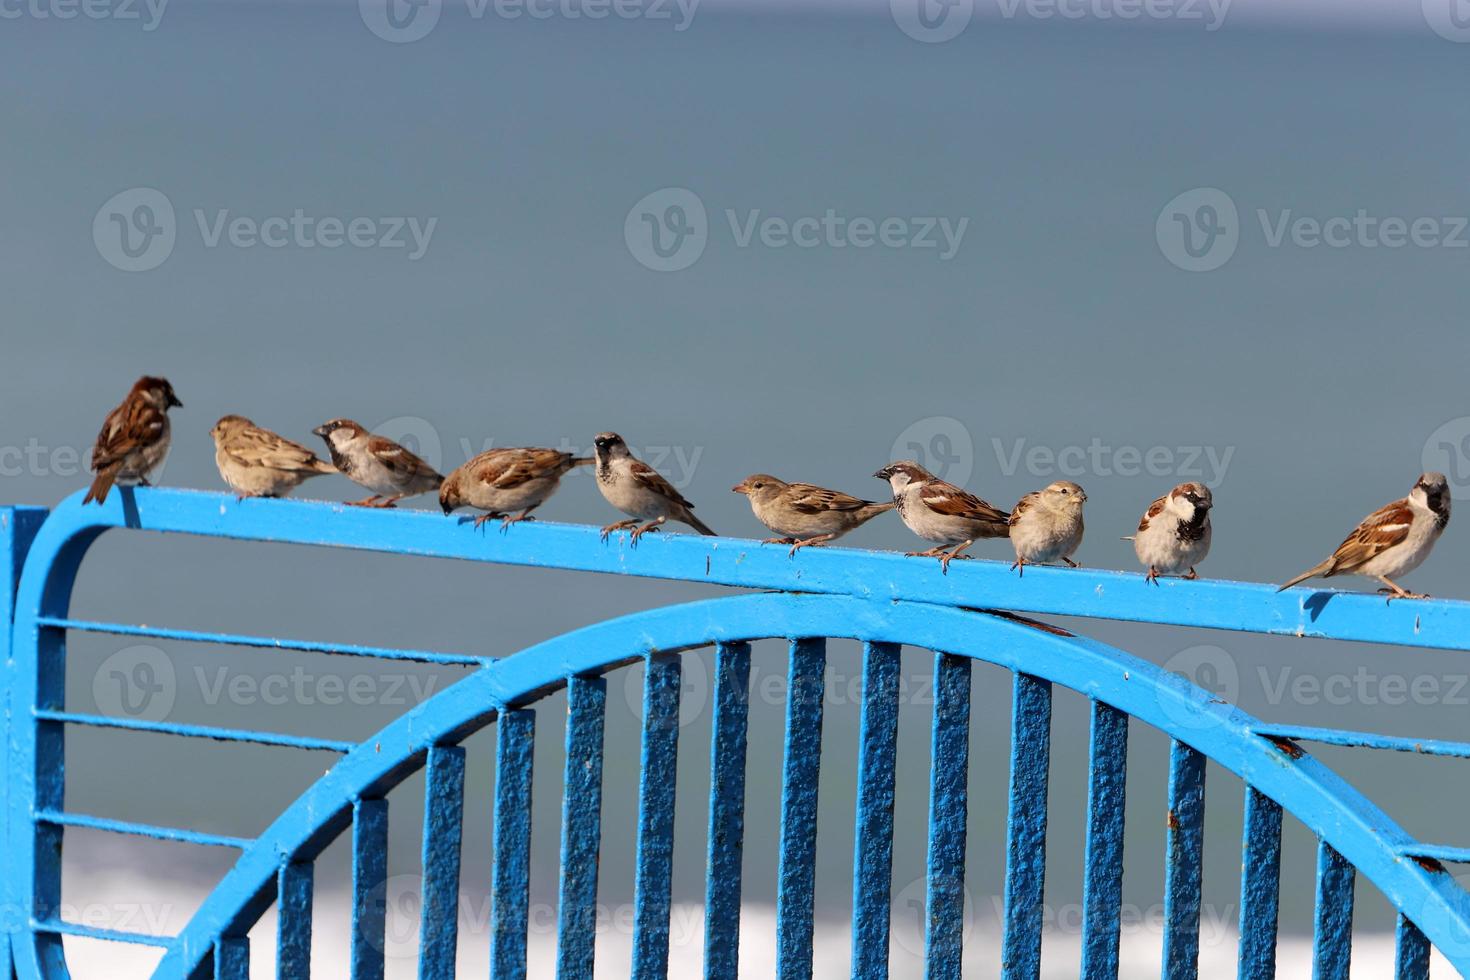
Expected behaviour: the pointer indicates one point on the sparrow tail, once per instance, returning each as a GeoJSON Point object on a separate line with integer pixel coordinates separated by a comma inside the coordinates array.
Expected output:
{"type": "Point", "coordinates": [1127, 537]}
{"type": "Point", "coordinates": [1320, 569]}
{"type": "Point", "coordinates": [698, 525]}
{"type": "Point", "coordinates": [100, 486]}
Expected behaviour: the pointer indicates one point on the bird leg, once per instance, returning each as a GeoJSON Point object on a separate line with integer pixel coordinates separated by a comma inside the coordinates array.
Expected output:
{"type": "Point", "coordinates": [933, 552]}
{"type": "Point", "coordinates": [806, 543]}
{"type": "Point", "coordinates": [778, 541]}
{"type": "Point", "coordinates": [1071, 563]}
{"type": "Point", "coordinates": [1019, 563]}
{"type": "Point", "coordinates": [524, 515]}
{"type": "Point", "coordinates": [1398, 592]}
{"type": "Point", "coordinates": [480, 521]}
{"type": "Point", "coordinates": [652, 525]}
{"type": "Point", "coordinates": [618, 526]}
{"type": "Point", "coordinates": [951, 556]}
{"type": "Point", "coordinates": [367, 502]}
{"type": "Point", "coordinates": [1191, 575]}
{"type": "Point", "coordinates": [1152, 576]}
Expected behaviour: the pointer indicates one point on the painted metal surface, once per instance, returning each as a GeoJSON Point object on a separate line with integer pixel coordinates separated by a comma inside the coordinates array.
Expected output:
{"type": "Point", "coordinates": [880, 599]}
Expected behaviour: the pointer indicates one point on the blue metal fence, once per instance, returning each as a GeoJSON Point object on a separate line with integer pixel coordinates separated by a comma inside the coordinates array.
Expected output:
{"type": "Point", "coordinates": [881, 600]}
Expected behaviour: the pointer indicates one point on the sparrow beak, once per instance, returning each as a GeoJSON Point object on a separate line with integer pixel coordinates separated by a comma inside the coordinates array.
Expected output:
{"type": "Point", "coordinates": [174, 402]}
{"type": "Point", "coordinates": [320, 430]}
{"type": "Point", "coordinates": [883, 474]}
{"type": "Point", "coordinates": [740, 488]}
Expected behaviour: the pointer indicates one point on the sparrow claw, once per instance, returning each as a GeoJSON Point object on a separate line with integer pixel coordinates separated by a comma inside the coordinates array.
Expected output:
{"type": "Point", "coordinates": [1190, 575]}
{"type": "Point", "coordinates": [479, 522]}
{"type": "Point", "coordinates": [1152, 576]}
{"type": "Point", "coordinates": [365, 502]}
{"type": "Point", "coordinates": [1019, 563]}
{"type": "Point", "coordinates": [641, 531]}
{"type": "Point", "coordinates": [1071, 563]}
{"type": "Point", "coordinates": [778, 541]}
{"type": "Point", "coordinates": [616, 526]}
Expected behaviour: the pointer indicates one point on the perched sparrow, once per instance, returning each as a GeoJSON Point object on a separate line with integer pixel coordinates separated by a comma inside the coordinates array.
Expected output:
{"type": "Point", "coordinates": [1174, 534]}
{"type": "Point", "coordinates": [940, 512]}
{"type": "Point", "coordinates": [382, 465]}
{"type": "Point", "coordinates": [636, 489]}
{"type": "Point", "coordinates": [257, 462]}
{"type": "Point", "coordinates": [805, 514]}
{"type": "Point", "coordinates": [134, 438]}
{"type": "Point", "coordinates": [499, 481]}
{"type": "Point", "coordinates": [1047, 525]}
{"type": "Point", "coordinates": [1393, 540]}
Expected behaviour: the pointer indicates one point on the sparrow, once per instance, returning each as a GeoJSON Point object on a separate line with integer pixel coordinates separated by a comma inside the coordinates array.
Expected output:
{"type": "Point", "coordinates": [804, 514]}
{"type": "Point", "coordinates": [636, 489]}
{"type": "Point", "coordinates": [1047, 525]}
{"type": "Point", "coordinates": [257, 462]}
{"type": "Point", "coordinates": [499, 481]}
{"type": "Point", "coordinates": [1174, 534]}
{"type": "Point", "coordinates": [1393, 540]}
{"type": "Point", "coordinates": [382, 465]}
{"type": "Point", "coordinates": [134, 438]}
{"type": "Point", "coordinates": [940, 512]}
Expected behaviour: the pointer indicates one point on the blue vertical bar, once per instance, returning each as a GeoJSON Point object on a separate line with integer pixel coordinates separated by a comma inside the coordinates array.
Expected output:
{"type": "Point", "coordinates": [18, 528]}
{"type": "Point", "coordinates": [1026, 828]}
{"type": "Point", "coordinates": [293, 920]}
{"type": "Point", "coordinates": [443, 830]}
{"type": "Point", "coordinates": [1185, 824]}
{"type": "Point", "coordinates": [510, 909]}
{"type": "Point", "coordinates": [369, 888]}
{"type": "Point", "coordinates": [232, 958]}
{"type": "Point", "coordinates": [1102, 886]}
{"type": "Point", "coordinates": [800, 771]}
{"type": "Point", "coordinates": [1260, 885]}
{"type": "Point", "coordinates": [653, 883]}
{"type": "Point", "coordinates": [1411, 952]}
{"type": "Point", "coordinates": [1332, 935]}
{"type": "Point", "coordinates": [873, 837]}
{"type": "Point", "coordinates": [949, 770]}
{"type": "Point", "coordinates": [581, 828]}
{"type": "Point", "coordinates": [726, 838]}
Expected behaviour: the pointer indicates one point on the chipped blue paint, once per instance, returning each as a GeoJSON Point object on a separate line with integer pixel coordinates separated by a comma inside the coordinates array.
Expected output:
{"type": "Point", "coordinates": [880, 599]}
{"type": "Point", "coordinates": [511, 882]}
{"type": "Point", "coordinates": [873, 839]}
{"type": "Point", "coordinates": [1332, 934]}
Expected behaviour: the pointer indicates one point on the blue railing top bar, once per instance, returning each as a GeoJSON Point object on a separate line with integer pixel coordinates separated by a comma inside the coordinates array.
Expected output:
{"type": "Point", "coordinates": [1212, 604]}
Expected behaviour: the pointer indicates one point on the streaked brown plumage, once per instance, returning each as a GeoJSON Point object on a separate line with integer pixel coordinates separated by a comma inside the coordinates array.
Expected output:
{"type": "Point", "coordinates": [805, 514]}
{"type": "Point", "coordinates": [134, 439]}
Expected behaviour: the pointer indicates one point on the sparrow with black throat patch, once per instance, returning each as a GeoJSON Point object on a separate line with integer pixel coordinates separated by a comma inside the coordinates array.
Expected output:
{"type": "Point", "coordinates": [1393, 540]}
{"type": "Point", "coordinates": [257, 462]}
{"type": "Point", "coordinates": [804, 514]}
{"type": "Point", "coordinates": [636, 489]}
{"type": "Point", "coordinates": [1174, 534]}
{"type": "Point", "coordinates": [500, 481]}
{"type": "Point", "coordinates": [941, 512]}
{"type": "Point", "coordinates": [134, 439]}
{"type": "Point", "coordinates": [381, 465]}
{"type": "Point", "coordinates": [1047, 525]}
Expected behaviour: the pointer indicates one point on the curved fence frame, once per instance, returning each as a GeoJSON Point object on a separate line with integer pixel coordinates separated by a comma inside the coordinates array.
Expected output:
{"type": "Point", "coordinates": [881, 599]}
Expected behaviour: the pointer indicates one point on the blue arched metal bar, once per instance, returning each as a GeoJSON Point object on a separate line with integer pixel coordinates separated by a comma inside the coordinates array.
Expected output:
{"type": "Point", "coordinates": [848, 585]}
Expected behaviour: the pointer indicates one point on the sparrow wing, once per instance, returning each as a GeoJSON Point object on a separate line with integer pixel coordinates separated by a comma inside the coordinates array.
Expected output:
{"type": "Point", "coordinates": [131, 426]}
{"type": "Point", "coordinates": [397, 459]}
{"type": "Point", "coordinates": [1385, 527]}
{"type": "Point", "coordinates": [649, 477]}
{"type": "Point", "coordinates": [508, 468]}
{"type": "Point", "coordinates": [807, 498]}
{"type": "Point", "coordinates": [946, 498]}
{"type": "Point", "coordinates": [255, 446]}
{"type": "Point", "coordinates": [1022, 506]}
{"type": "Point", "coordinates": [1154, 510]}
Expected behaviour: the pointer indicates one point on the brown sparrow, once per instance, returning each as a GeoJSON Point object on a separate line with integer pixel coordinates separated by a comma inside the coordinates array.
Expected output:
{"type": "Point", "coordinates": [804, 514]}
{"type": "Point", "coordinates": [1393, 540]}
{"type": "Point", "coordinates": [257, 462]}
{"type": "Point", "coordinates": [381, 465]}
{"type": "Point", "coordinates": [499, 481]}
{"type": "Point", "coordinates": [1174, 535]}
{"type": "Point", "coordinates": [941, 512]}
{"type": "Point", "coordinates": [134, 439]}
{"type": "Point", "coordinates": [1047, 525]}
{"type": "Point", "coordinates": [636, 489]}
